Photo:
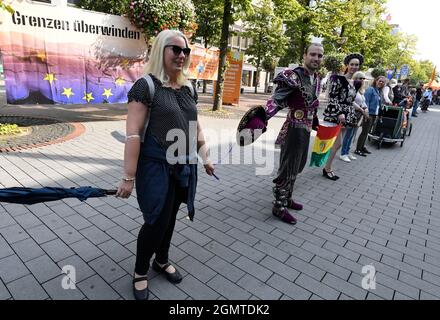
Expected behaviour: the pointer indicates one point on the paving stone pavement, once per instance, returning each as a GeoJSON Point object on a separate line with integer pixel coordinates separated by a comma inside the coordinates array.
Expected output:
{"type": "Point", "coordinates": [40, 131]}
{"type": "Point", "coordinates": [384, 211]}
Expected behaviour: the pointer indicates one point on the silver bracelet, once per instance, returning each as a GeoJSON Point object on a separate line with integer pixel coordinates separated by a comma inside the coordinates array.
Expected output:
{"type": "Point", "coordinates": [133, 136]}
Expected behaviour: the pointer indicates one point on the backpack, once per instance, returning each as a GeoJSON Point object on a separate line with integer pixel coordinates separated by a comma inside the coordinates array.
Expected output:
{"type": "Point", "coordinates": [152, 89]}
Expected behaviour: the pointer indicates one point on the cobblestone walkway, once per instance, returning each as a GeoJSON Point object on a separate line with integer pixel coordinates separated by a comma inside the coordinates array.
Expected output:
{"type": "Point", "coordinates": [41, 131]}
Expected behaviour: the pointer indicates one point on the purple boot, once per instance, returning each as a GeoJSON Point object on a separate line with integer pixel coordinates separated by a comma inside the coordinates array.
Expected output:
{"type": "Point", "coordinates": [295, 206]}
{"type": "Point", "coordinates": [284, 215]}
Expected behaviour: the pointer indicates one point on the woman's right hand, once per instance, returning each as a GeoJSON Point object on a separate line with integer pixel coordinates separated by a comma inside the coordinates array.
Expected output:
{"type": "Point", "coordinates": [125, 189]}
{"type": "Point", "coordinates": [209, 168]}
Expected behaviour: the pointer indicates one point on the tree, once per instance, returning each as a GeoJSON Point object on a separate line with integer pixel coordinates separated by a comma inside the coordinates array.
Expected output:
{"type": "Point", "coordinates": [333, 62]}
{"type": "Point", "coordinates": [377, 72]}
{"type": "Point", "coordinates": [355, 26]}
{"type": "Point", "coordinates": [153, 16]}
{"type": "Point", "coordinates": [209, 21]}
{"type": "Point", "coordinates": [401, 53]}
{"type": "Point", "coordinates": [232, 11]}
{"type": "Point", "coordinates": [269, 64]}
{"type": "Point", "coordinates": [117, 7]}
{"type": "Point", "coordinates": [150, 16]}
{"type": "Point", "coordinates": [266, 32]}
{"type": "Point", "coordinates": [420, 71]}
{"type": "Point", "coordinates": [299, 19]}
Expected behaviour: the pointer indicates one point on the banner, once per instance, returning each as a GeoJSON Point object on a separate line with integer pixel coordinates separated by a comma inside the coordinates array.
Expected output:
{"type": "Point", "coordinates": [232, 84]}
{"type": "Point", "coordinates": [204, 63]}
{"type": "Point", "coordinates": [64, 55]}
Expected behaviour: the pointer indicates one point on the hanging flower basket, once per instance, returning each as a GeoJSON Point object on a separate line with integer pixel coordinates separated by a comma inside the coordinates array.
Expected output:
{"type": "Point", "coordinates": [153, 16]}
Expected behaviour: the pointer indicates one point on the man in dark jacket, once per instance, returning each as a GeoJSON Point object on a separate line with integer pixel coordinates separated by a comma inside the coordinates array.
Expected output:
{"type": "Point", "coordinates": [417, 100]}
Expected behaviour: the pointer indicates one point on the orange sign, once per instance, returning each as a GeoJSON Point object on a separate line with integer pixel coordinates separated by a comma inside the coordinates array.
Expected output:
{"type": "Point", "coordinates": [232, 84]}
{"type": "Point", "coordinates": [204, 63]}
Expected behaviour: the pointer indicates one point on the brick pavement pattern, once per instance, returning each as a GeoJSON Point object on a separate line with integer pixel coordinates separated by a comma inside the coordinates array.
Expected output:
{"type": "Point", "coordinates": [384, 211]}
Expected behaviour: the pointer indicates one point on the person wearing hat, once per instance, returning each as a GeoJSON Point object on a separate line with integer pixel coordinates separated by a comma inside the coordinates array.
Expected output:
{"type": "Point", "coordinates": [340, 107]}
{"type": "Point", "coordinates": [361, 111]}
{"type": "Point", "coordinates": [298, 90]}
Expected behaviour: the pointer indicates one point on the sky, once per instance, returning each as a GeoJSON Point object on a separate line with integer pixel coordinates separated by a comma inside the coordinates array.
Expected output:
{"type": "Point", "coordinates": [419, 17]}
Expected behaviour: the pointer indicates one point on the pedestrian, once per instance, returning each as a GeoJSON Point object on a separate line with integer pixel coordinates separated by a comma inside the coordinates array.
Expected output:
{"type": "Point", "coordinates": [387, 92]}
{"type": "Point", "coordinates": [298, 90]}
{"type": "Point", "coordinates": [361, 111]}
{"type": "Point", "coordinates": [340, 107]}
{"type": "Point", "coordinates": [436, 94]}
{"type": "Point", "coordinates": [164, 177]}
{"type": "Point", "coordinates": [405, 89]}
{"type": "Point", "coordinates": [374, 102]}
{"type": "Point", "coordinates": [417, 99]}
{"type": "Point", "coordinates": [397, 92]}
{"type": "Point", "coordinates": [426, 100]}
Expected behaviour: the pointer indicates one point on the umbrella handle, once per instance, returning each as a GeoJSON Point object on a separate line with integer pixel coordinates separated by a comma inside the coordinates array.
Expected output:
{"type": "Point", "coordinates": [110, 192]}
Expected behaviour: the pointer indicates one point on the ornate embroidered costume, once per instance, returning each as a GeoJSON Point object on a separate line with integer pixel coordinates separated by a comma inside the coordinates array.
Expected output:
{"type": "Point", "coordinates": [341, 97]}
{"type": "Point", "coordinates": [299, 91]}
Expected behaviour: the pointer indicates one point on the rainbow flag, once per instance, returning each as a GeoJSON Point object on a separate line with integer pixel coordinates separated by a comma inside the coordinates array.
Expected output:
{"type": "Point", "coordinates": [324, 140]}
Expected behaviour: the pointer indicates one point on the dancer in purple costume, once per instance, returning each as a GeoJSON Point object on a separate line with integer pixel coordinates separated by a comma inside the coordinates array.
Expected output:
{"type": "Point", "coordinates": [297, 89]}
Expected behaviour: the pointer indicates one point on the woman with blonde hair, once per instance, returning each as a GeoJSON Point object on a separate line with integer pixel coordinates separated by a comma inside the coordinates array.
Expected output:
{"type": "Point", "coordinates": [160, 156]}
{"type": "Point", "coordinates": [361, 110]}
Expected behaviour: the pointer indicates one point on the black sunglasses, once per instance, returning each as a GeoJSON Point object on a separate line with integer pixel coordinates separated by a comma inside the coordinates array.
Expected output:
{"type": "Point", "coordinates": [177, 50]}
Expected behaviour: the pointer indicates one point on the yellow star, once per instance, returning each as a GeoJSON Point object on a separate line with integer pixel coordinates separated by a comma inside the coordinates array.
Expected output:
{"type": "Point", "coordinates": [107, 93]}
{"type": "Point", "coordinates": [88, 96]}
{"type": "Point", "coordinates": [50, 77]}
{"type": "Point", "coordinates": [68, 92]}
{"type": "Point", "coordinates": [119, 81]}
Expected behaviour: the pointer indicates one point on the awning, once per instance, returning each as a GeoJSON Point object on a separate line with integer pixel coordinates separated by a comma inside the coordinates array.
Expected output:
{"type": "Point", "coordinates": [434, 85]}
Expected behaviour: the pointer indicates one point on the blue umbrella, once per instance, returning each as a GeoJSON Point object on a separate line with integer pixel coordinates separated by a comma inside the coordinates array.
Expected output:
{"type": "Point", "coordinates": [36, 195]}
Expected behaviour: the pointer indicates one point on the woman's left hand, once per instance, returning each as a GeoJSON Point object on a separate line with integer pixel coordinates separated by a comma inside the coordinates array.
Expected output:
{"type": "Point", "coordinates": [209, 168]}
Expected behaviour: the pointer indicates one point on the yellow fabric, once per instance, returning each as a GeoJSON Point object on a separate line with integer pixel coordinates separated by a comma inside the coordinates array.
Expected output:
{"type": "Point", "coordinates": [323, 146]}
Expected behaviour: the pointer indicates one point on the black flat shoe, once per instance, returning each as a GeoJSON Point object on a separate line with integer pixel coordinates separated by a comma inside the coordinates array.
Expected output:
{"type": "Point", "coordinates": [360, 153]}
{"type": "Point", "coordinates": [329, 175]}
{"type": "Point", "coordinates": [365, 150]}
{"type": "Point", "coordinates": [174, 277]}
{"type": "Point", "coordinates": [140, 294]}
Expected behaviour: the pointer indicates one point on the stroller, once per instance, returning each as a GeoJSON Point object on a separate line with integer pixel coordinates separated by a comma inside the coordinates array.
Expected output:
{"type": "Point", "coordinates": [389, 126]}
